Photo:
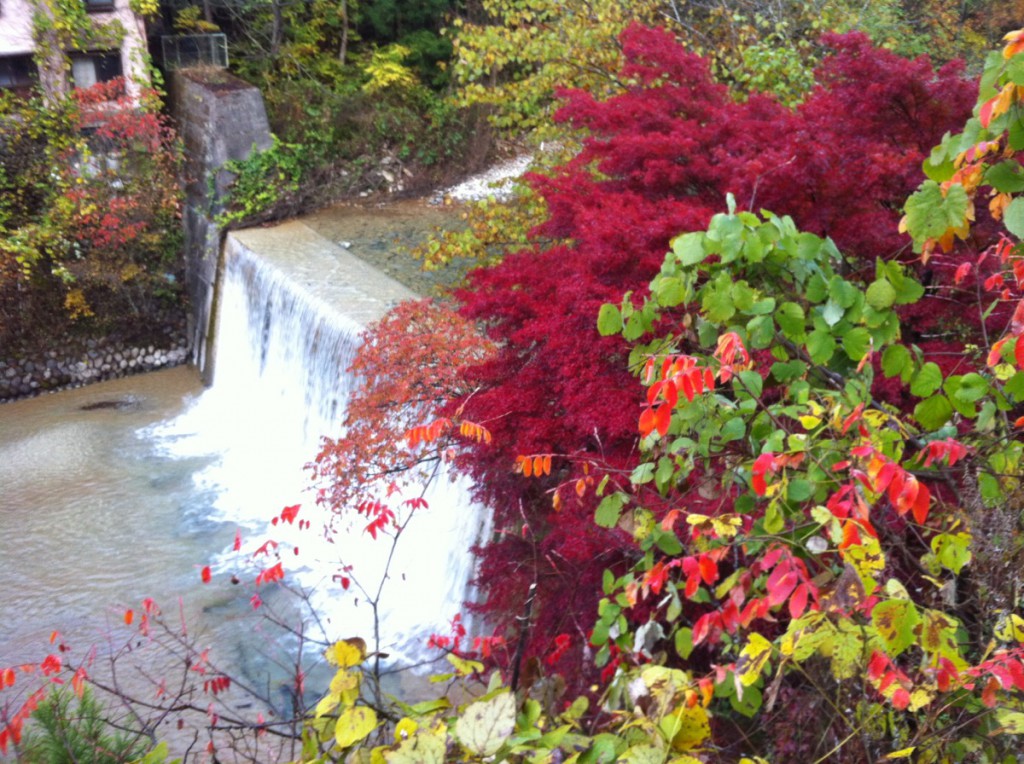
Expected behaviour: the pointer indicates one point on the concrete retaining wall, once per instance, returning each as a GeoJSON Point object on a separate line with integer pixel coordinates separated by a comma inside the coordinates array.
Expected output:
{"type": "Point", "coordinates": [220, 118]}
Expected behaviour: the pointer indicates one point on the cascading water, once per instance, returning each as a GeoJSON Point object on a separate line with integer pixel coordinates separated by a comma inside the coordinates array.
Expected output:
{"type": "Point", "coordinates": [282, 349]}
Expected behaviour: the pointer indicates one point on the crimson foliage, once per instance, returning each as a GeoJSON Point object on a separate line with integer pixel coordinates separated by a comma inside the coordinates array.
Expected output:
{"type": "Point", "coordinates": [659, 161]}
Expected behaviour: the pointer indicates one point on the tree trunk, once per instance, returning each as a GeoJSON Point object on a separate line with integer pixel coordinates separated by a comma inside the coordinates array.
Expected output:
{"type": "Point", "coordinates": [343, 50]}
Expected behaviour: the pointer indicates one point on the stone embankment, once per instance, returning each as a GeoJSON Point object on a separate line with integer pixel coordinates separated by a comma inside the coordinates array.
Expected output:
{"type": "Point", "coordinates": [94, 361]}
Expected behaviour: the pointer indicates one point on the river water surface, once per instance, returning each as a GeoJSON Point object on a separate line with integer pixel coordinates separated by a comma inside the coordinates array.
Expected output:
{"type": "Point", "coordinates": [95, 515]}
{"type": "Point", "coordinates": [126, 489]}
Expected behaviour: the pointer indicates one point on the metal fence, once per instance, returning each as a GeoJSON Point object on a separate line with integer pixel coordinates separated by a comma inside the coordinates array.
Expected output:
{"type": "Point", "coordinates": [182, 51]}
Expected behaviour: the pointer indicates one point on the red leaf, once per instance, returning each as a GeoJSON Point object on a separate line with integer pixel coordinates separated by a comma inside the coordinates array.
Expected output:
{"type": "Point", "coordinates": [702, 628]}
{"type": "Point", "coordinates": [780, 584]}
{"type": "Point", "coordinates": [1018, 352]}
{"type": "Point", "coordinates": [985, 113]}
{"type": "Point", "coordinates": [798, 602]}
{"type": "Point", "coordinates": [922, 503]}
{"type": "Point", "coordinates": [901, 699]}
{"type": "Point", "coordinates": [238, 540]}
{"type": "Point", "coordinates": [51, 665]}
{"type": "Point", "coordinates": [205, 574]}
{"type": "Point", "coordinates": [708, 569]}
{"type": "Point", "coordinates": [288, 513]}
{"type": "Point", "coordinates": [877, 665]}
{"type": "Point", "coordinates": [662, 417]}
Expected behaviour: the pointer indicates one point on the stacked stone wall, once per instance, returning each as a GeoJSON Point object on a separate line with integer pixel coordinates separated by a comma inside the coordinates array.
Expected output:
{"type": "Point", "coordinates": [80, 363]}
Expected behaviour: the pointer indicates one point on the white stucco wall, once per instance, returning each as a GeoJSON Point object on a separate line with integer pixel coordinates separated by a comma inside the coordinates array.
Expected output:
{"type": "Point", "coordinates": [15, 27]}
{"type": "Point", "coordinates": [16, 36]}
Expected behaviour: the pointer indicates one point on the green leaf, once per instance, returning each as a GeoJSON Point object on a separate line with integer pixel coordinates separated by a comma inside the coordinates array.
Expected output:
{"type": "Point", "coordinates": [842, 292]}
{"type": "Point", "coordinates": [856, 343]}
{"type": "Point", "coordinates": [881, 294]}
{"type": "Point", "coordinates": [821, 346]}
{"type": "Point", "coordinates": [785, 371]}
{"type": "Point", "coordinates": [1015, 386]}
{"type": "Point", "coordinates": [609, 510]}
{"type": "Point", "coordinates": [609, 320]}
{"type": "Point", "coordinates": [684, 642]}
{"type": "Point", "coordinates": [670, 291]}
{"type": "Point", "coordinates": [926, 381]}
{"type": "Point", "coordinates": [895, 621]}
{"type": "Point", "coordinates": [933, 412]}
{"type": "Point", "coordinates": [732, 430]}
{"type": "Point", "coordinates": [1010, 722]}
{"type": "Point", "coordinates": [953, 550]}
{"type": "Point", "coordinates": [1016, 135]}
{"type": "Point", "coordinates": [895, 359]}
{"type": "Point", "coordinates": [760, 332]}
{"type": "Point", "coordinates": [800, 490]}
{"type": "Point", "coordinates": [666, 541]}
{"type": "Point", "coordinates": [762, 307]}
{"type": "Point", "coordinates": [750, 382]}
{"type": "Point", "coordinates": [1013, 217]}
{"type": "Point", "coordinates": [743, 296]}
{"type": "Point", "coordinates": [930, 213]}
{"type": "Point", "coordinates": [791, 320]}
{"type": "Point", "coordinates": [1006, 177]}
{"type": "Point", "coordinates": [635, 326]}
{"type": "Point", "coordinates": [717, 302]}
{"type": "Point", "coordinates": [642, 473]}
{"type": "Point", "coordinates": [485, 725]}
{"type": "Point", "coordinates": [832, 313]}
{"type": "Point", "coordinates": [689, 248]}
{"type": "Point", "coordinates": [972, 387]}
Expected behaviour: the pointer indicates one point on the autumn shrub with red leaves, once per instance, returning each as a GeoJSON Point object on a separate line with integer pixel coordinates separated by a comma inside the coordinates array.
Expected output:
{"type": "Point", "coordinates": [91, 217]}
{"type": "Point", "coordinates": [658, 161]}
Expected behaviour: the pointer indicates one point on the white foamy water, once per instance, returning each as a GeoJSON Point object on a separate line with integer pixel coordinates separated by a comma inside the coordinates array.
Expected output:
{"type": "Point", "coordinates": [282, 351]}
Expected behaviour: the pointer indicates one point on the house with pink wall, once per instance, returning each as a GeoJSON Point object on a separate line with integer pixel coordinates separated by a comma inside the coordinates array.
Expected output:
{"type": "Point", "coordinates": [21, 68]}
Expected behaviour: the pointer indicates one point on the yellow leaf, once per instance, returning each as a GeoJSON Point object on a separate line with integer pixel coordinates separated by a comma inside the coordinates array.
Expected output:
{"type": "Point", "coordinates": [753, 659]}
{"type": "Point", "coordinates": [464, 667]}
{"type": "Point", "coordinates": [404, 729]}
{"type": "Point", "coordinates": [1009, 628]}
{"type": "Point", "coordinates": [353, 725]}
{"type": "Point", "coordinates": [346, 652]}
{"type": "Point", "coordinates": [810, 422]}
{"type": "Point", "coordinates": [686, 727]}
{"type": "Point", "coordinates": [903, 753]}
{"type": "Point", "coordinates": [485, 725]}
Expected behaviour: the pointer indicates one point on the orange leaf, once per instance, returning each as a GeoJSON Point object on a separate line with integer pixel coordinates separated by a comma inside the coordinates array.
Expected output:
{"type": "Point", "coordinates": [646, 422]}
{"type": "Point", "coordinates": [961, 273]}
{"type": "Point", "coordinates": [78, 682]}
{"type": "Point", "coordinates": [995, 353]}
{"type": "Point", "coordinates": [538, 465]}
{"type": "Point", "coordinates": [527, 466]}
{"type": "Point", "coordinates": [547, 464]}
{"type": "Point", "coordinates": [129, 616]}
{"type": "Point", "coordinates": [1017, 321]}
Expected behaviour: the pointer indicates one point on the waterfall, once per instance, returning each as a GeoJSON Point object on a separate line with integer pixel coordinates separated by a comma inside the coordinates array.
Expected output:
{"type": "Point", "coordinates": [289, 311]}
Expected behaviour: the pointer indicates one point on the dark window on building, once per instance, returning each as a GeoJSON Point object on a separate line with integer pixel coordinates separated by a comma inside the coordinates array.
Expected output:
{"type": "Point", "coordinates": [99, 6]}
{"type": "Point", "coordinates": [18, 73]}
{"type": "Point", "coordinates": [89, 68]}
